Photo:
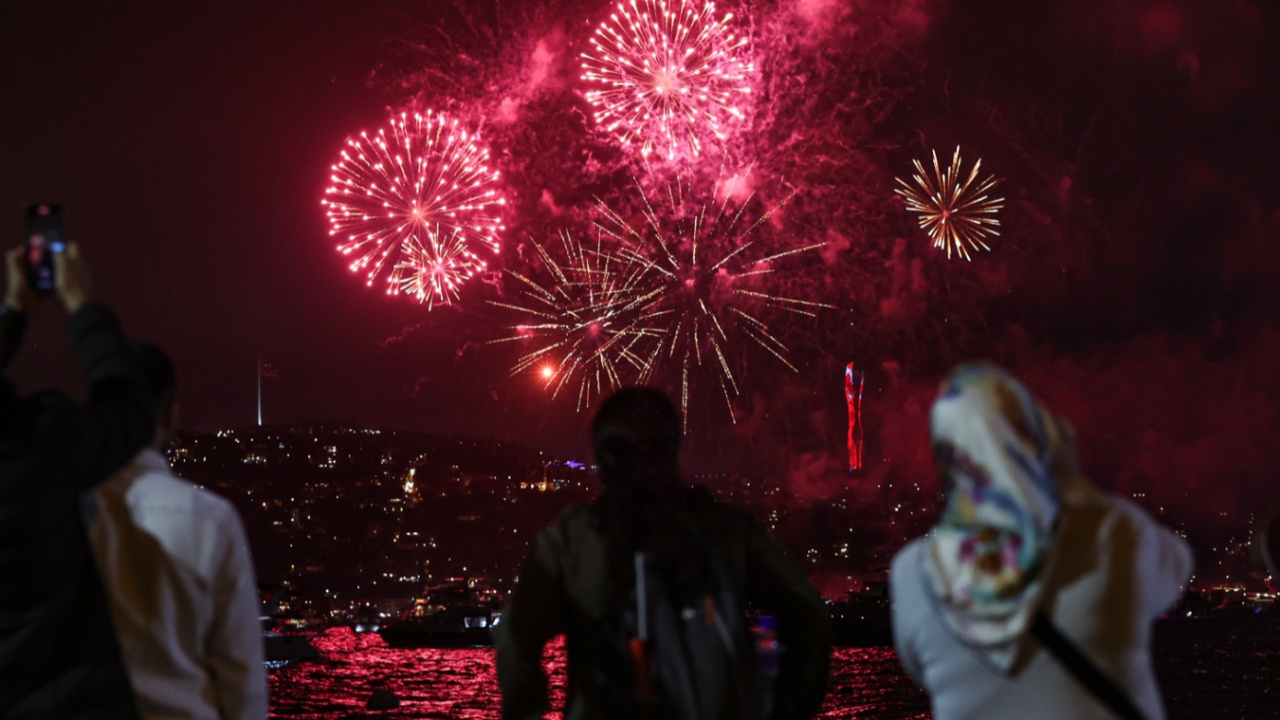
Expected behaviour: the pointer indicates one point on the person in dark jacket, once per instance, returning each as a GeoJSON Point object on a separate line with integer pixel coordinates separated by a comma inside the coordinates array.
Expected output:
{"type": "Point", "coordinates": [58, 652]}
{"type": "Point", "coordinates": [580, 570]}
{"type": "Point", "coordinates": [1268, 546]}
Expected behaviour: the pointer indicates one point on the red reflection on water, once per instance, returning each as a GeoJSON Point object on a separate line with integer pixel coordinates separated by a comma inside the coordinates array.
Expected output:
{"type": "Point", "coordinates": [431, 683]}
{"type": "Point", "coordinates": [869, 683]}
{"type": "Point", "coordinates": [462, 683]}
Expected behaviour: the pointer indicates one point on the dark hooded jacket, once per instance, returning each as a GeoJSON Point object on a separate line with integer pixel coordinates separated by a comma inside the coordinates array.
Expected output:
{"type": "Point", "coordinates": [565, 588]}
{"type": "Point", "coordinates": [58, 652]}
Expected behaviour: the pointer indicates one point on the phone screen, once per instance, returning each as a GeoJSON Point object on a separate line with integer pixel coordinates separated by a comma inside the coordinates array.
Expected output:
{"type": "Point", "coordinates": [44, 239]}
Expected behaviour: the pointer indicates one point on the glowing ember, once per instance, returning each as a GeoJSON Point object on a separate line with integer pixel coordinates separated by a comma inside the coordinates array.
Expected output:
{"type": "Point", "coordinates": [432, 270]}
{"type": "Point", "coordinates": [708, 282]}
{"type": "Point", "coordinates": [586, 319]}
{"type": "Point", "coordinates": [666, 75]}
{"type": "Point", "coordinates": [955, 213]}
{"type": "Point", "coordinates": [423, 176]}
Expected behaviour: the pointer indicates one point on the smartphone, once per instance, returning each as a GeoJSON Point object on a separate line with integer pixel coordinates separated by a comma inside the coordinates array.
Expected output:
{"type": "Point", "coordinates": [44, 240]}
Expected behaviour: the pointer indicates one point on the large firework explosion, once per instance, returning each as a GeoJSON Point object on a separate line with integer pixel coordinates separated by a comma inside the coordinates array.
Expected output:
{"type": "Point", "coordinates": [955, 213]}
{"type": "Point", "coordinates": [586, 320]}
{"type": "Point", "coordinates": [427, 176]}
{"type": "Point", "coordinates": [668, 76]}
{"type": "Point", "coordinates": [825, 113]}
{"type": "Point", "coordinates": [708, 276]}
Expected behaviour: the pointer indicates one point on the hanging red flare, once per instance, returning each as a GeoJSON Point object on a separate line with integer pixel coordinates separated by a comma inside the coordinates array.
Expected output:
{"type": "Point", "coordinates": [853, 397]}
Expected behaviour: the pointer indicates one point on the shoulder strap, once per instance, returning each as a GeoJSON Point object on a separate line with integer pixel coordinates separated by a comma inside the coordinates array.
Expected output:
{"type": "Point", "coordinates": [1103, 687]}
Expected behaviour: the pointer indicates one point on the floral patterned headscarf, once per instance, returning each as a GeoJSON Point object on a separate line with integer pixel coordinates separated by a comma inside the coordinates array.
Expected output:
{"type": "Point", "coordinates": [997, 451]}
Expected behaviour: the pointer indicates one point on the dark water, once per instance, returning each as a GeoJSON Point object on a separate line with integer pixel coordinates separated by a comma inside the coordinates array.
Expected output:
{"type": "Point", "coordinates": [1223, 667]}
{"type": "Point", "coordinates": [1208, 669]}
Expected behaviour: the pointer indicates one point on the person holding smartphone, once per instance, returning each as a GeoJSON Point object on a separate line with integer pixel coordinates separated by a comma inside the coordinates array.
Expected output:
{"type": "Point", "coordinates": [58, 652]}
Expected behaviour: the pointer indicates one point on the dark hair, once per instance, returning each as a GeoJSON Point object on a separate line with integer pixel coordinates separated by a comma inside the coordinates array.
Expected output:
{"type": "Point", "coordinates": [1270, 543]}
{"type": "Point", "coordinates": [635, 432]}
{"type": "Point", "coordinates": [162, 380]}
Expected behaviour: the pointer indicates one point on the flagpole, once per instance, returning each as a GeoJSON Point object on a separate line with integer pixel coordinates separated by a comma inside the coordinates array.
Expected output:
{"type": "Point", "coordinates": [259, 391]}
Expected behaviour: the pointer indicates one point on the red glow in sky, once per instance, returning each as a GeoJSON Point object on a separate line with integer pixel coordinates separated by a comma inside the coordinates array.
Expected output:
{"type": "Point", "coordinates": [1133, 285]}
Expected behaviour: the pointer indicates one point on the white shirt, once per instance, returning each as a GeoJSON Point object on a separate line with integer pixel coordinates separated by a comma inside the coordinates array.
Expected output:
{"type": "Point", "coordinates": [175, 562]}
{"type": "Point", "coordinates": [1118, 570]}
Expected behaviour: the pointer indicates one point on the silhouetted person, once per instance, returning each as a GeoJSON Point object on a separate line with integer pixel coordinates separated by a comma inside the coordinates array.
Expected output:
{"type": "Point", "coordinates": [1268, 542]}
{"type": "Point", "coordinates": [175, 562]}
{"type": "Point", "coordinates": [581, 577]}
{"type": "Point", "coordinates": [58, 653]}
{"type": "Point", "coordinates": [1035, 593]}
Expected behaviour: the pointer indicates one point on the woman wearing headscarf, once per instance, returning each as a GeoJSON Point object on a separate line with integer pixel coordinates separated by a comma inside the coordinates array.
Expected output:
{"type": "Point", "coordinates": [1035, 593]}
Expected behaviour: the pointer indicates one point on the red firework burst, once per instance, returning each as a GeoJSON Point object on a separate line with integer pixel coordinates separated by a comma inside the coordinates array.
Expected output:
{"type": "Point", "coordinates": [705, 282]}
{"type": "Point", "coordinates": [667, 75]}
{"type": "Point", "coordinates": [433, 269]}
{"type": "Point", "coordinates": [423, 172]}
{"type": "Point", "coordinates": [953, 209]}
{"type": "Point", "coordinates": [585, 320]}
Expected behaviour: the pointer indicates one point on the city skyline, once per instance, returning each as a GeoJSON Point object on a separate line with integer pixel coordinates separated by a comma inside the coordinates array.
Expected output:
{"type": "Point", "coordinates": [361, 513]}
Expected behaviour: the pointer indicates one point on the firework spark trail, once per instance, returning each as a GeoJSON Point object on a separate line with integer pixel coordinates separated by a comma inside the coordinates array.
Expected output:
{"type": "Point", "coordinates": [589, 321]}
{"type": "Point", "coordinates": [952, 211]}
{"type": "Point", "coordinates": [397, 185]}
{"type": "Point", "coordinates": [697, 256]}
{"type": "Point", "coordinates": [667, 74]}
{"type": "Point", "coordinates": [431, 271]}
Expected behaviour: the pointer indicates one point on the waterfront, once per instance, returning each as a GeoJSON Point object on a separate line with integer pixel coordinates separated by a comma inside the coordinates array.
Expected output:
{"type": "Point", "coordinates": [1218, 668]}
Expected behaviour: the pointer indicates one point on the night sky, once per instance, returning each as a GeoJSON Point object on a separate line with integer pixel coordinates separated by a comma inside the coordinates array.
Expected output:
{"type": "Point", "coordinates": [1134, 284]}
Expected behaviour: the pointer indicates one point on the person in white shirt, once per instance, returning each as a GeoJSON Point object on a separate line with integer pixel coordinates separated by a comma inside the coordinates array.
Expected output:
{"type": "Point", "coordinates": [1035, 593]}
{"type": "Point", "coordinates": [180, 581]}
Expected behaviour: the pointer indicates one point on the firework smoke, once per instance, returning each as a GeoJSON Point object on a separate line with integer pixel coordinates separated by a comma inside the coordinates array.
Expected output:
{"type": "Point", "coordinates": [841, 89]}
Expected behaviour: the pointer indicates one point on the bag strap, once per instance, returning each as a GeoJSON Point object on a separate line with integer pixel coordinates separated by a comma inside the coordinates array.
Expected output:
{"type": "Point", "coordinates": [1090, 675]}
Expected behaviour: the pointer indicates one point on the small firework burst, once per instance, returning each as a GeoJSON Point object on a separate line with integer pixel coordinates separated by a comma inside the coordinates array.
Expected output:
{"type": "Point", "coordinates": [708, 278]}
{"type": "Point", "coordinates": [954, 210]}
{"type": "Point", "coordinates": [423, 172]}
{"type": "Point", "coordinates": [433, 269]}
{"type": "Point", "coordinates": [586, 321]}
{"type": "Point", "coordinates": [667, 74]}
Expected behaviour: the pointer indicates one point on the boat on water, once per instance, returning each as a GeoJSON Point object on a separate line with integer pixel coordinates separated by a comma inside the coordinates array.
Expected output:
{"type": "Point", "coordinates": [367, 618]}
{"type": "Point", "coordinates": [460, 613]}
{"type": "Point", "coordinates": [284, 630]}
{"type": "Point", "coordinates": [457, 613]}
{"type": "Point", "coordinates": [284, 647]}
{"type": "Point", "coordinates": [862, 619]}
